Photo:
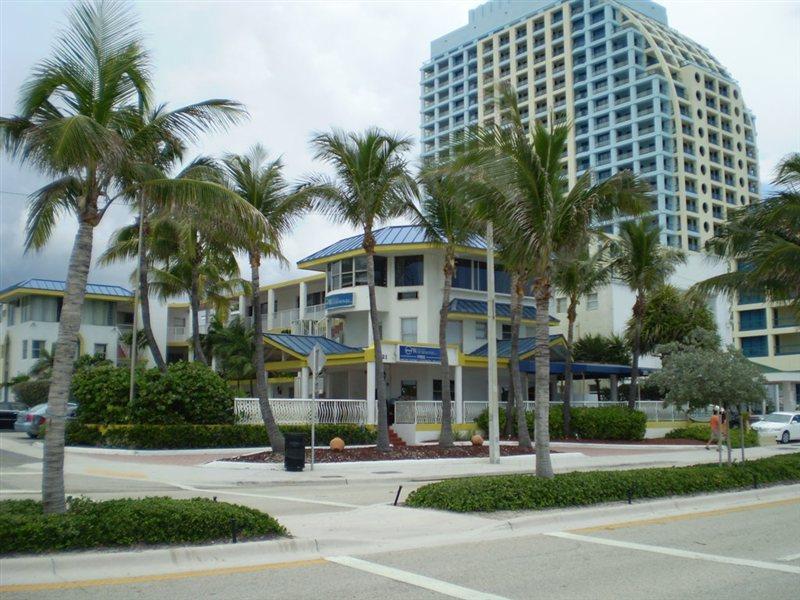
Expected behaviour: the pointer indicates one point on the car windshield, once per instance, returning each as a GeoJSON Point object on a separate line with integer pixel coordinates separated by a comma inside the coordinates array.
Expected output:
{"type": "Point", "coordinates": [775, 418]}
{"type": "Point", "coordinates": [38, 407]}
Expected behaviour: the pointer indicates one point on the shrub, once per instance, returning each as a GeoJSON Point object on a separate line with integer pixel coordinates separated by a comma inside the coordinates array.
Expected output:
{"type": "Point", "coordinates": [702, 433]}
{"type": "Point", "coordinates": [127, 522]}
{"type": "Point", "coordinates": [527, 492]}
{"type": "Point", "coordinates": [602, 423]}
{"type": "Point", "coordinates": [32, 391]}
{"type": "Point", "coordinates": [184, 436]}
{"type": "Point", "coordinates": [101, 393]}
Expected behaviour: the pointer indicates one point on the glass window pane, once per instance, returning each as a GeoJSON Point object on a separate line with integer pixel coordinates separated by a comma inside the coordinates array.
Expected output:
{"type": "Point", "coordinates": [480, 276]}
{"type": "Point", "coordinates": [408, 270]}
{"type": "Point", "coordinates": [462, 278]}
{"type": "Point", "coordinates": [408, 329]}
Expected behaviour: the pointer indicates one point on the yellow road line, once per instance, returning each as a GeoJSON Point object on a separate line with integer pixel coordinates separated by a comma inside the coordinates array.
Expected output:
{"type": "Point", "coordinates": [67, 585]}
{"type": "Point", "coordinates": [113, 473]}
{"type": "Point", "coordinates": [688, 516]}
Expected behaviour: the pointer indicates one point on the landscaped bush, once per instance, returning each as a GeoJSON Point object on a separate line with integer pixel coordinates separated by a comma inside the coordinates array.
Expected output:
{"type": "Point", "coordinates": [602, 423]}
{"type": "Point", "coordinates": [527, 492]}
{"type": "Point", "coordinates": [127, 522]}
{"type": "Point", "coordinates": [702, 433]}
{"type": "Point", "coordinates": [155, 437]}
{"type": "Point", "coordinates": [186, 393]}
{"type": "Point", "coordinates": [32, 391]}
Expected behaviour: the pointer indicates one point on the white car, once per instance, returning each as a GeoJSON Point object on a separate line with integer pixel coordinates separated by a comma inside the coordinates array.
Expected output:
{"type": "Point", "coordinates": [784, 425]}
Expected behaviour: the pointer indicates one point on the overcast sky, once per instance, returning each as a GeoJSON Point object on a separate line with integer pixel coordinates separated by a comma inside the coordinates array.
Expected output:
{"type": "Point", "coordinates": [307, 66]}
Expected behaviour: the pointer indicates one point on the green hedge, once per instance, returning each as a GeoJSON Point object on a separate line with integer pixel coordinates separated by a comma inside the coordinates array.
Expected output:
{"type": "Point", "coordinates": [185, 436]}
{"type": "Point", "coordinates": [602, 423]}
{"type": "Point", "coordinates": [527, 492]}
{"type": "Point", "coordinates": [702, 433]}
{"type": "Point", "coordinates": [189, 392]}
{"type": "Point", "coordinates": [32, 391]}
{"type": "Point", "coordinates": [127, 522]}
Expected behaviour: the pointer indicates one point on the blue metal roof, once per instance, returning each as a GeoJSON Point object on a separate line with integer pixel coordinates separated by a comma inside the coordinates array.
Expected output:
{"type": "Point", "coordinates": [386, 236]}
{"type": "Point", "coordinates": [591, 370]}
{"type": "Point", "coordinates": [479, 307]}
{"type": "Point", "coordinates": [303, 344]}
{"type": "Point", "coordinates": [526, 346]}
{"type": "Point", "coordinates": [53, 285]}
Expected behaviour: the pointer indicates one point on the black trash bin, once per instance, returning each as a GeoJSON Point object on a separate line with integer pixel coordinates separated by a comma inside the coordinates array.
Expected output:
{"type": "Point", "coordinates": [295, 452]}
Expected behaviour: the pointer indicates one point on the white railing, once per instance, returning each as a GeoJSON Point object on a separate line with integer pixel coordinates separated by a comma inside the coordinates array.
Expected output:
{"type": "Point", "coordinates": [289, 411]}
{"type": "Point", "coordinates": [283, 319]}
{"type": "Point", "coordinates": [418, 411]}
{"type": "Point", "coordinates": [177, 334]}
{"type": "Point", "coordinates": [315, 312]}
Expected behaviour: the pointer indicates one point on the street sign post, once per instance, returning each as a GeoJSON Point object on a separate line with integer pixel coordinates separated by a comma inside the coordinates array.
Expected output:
{"type": "Point", "coordinates": [316, 361]}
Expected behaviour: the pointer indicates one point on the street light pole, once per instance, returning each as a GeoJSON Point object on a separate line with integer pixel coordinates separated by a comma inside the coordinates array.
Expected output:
{"type": "Point", "coordinates": [491, 338]}
{"type": "Point", "coordinates": [136, 293]}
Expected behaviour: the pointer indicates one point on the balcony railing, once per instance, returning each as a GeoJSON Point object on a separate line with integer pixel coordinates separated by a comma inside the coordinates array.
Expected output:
{"type": "Point", "coordinates": [299, 412]}
{"type": "Point", "coordinates": [177, 333]}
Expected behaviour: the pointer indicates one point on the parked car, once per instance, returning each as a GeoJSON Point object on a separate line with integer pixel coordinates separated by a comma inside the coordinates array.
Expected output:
{"type": "Point", "coordinates": [785, 426]}
{"type": "Point", "coordinates": [31, 421]}
{"type": "Point", "coordinates": [9, 412]}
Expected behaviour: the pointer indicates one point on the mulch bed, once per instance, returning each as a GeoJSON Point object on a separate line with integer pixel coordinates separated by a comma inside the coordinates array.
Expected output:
{"type": "Point", "coordinates": [371, 453]}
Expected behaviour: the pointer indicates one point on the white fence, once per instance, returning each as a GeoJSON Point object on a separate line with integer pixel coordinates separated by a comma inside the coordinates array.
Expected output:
{"type": "Point", "coordinates": [408, 412]}
{"type": "Point", "coordinates": [299, 411]}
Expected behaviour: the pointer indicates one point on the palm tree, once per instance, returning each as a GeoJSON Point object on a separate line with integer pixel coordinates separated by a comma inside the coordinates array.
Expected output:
{"type": "Point", "coordinates": [577, 273]}
{"type": "Point", "coordinates": [260, 182]}
{"type": "Point", "coordinates": [764, 241]}
{"type": "Point", "coordinates": [371, 184]}
{"type": "Point", "coordinates": [544, 215]}
{"type": "Point", "coordinates": [449, 222]}
{"type": "Point", "coordinates": [602, 349]}
{"type": "Point", "coordinates": [232, 347]}
{"type": "Point", "coordinates": [643, 264]}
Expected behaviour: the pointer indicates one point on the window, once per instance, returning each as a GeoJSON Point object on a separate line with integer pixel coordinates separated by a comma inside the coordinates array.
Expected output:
{"type": "Point", "coordinates": [100, 350]}
{"type": "Point", "coordinates": [752, 319]}
{"type": "Point", "coordinates": [437, 389]}
{"type": "Point", "coordinates": [36, 348]}
{"type": "Point", "coordinates": [407, 295]}
{"type": "Point", "coordinates": [480, 331]}
{"type": "Point", "coordinates": [315, 299]}
{"type": "Point", "coordinates": [98, 312]}
{"type": "Point", "coordinates": [506, 331]}
{"type": "Point", "coordinates": [408, 270]}
{"type": "Point", "coordinates": [755, 346]}
{"type": "Point", "coordinates": [408, 389]}
{"type": "Point", "coordinates": [591, 301]}
{"type": "Point", "coordinates": [453, 334]}
{"type": "Point", "coordinates": [408, 329]}
{"type": "Point", "coordinates": [561, 305]}
{"type": "Point", "coordinates": [462, 278]}
{"type": "Point", "coordinates": [24, 349]}
{"type": "Point", "coordinates": [353, 271]}
{"type": "Point", "coordinates": [39, 308]}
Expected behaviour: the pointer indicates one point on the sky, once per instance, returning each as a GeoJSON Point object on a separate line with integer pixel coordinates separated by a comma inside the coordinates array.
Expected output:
{"type": "Point", "coordinates": [302, 67]}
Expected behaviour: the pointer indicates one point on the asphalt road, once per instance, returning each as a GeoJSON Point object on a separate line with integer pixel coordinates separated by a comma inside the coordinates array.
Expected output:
{"type": "Point", "coordinates": [732, 554]}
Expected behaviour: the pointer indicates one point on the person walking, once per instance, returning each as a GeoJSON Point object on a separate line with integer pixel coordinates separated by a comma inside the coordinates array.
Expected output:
{"type": "Point", "coordinates": [723, 426]}
{"type": "Point", "coordinates": [714, 423]}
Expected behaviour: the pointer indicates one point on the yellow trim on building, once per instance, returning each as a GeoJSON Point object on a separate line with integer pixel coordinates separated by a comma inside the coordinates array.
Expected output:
{"type": "Point", "coordinates": [292, 282]}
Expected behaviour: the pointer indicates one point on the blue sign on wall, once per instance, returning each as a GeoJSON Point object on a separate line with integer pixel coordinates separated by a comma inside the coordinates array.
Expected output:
{"type": "Point", "coordinates": [419, 354]}
{"type": "Point", "coordinates": [339, 301]}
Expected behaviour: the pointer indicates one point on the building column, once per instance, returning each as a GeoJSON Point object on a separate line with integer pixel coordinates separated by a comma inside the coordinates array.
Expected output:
{"type": "Point", "coordinates": [243, 308]}
{"type": "Point", "coordinates": [371, 405]}
{"type": "Point", "coordinates": [304, 389]}
{"type": "Point", "coordinates": [788, 400]}
{"type": "Point", "coordinates": [303, 294]}
{"type": "Point", "coordinates": [614, 379]}
{"type": "Point", "coordinates": [270, 309]}
{"type": "Point", "coordinates": [459, 393]}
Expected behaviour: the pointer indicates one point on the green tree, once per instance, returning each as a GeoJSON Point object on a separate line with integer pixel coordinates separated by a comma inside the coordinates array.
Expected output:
{"type": "Point", "coordinates": [73, 126]}
{"type": "Point", "coordinates": [763, 240]}
{"type": "Point", "coordinates": [260, 182]}
{"type": "Point", "coordinates": [543, 214]}
{"type": "Point", "coordinates": [450, 222]}
{"type": "Point", "coordinates": [601, 349]}
{"type": "Point", "coordinates": [232, 347]}
{"type": "Point", "coordinates": [371, 184]}
{"type": "Point", "coordinates": [643, 264]}
{"type": "Point", "coordinates": [699, 376]}
{"type": "Point", "coordinates": [578, 272]}
{"type": "Point", "coordinates": [671, 315]}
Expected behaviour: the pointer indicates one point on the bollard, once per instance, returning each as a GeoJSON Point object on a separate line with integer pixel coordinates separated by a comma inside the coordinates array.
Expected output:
{"type": "Point", "coordinates": [397, 497]}
{"type": "Point", "coordinates": [755, 481]}
{"type": "Point", "coordinates": [233, 531]}
{"type": "Point", "coordinates": [630, 495]}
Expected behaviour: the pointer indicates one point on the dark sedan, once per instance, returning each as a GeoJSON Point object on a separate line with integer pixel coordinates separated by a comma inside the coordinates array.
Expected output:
{"type": "Point", "coordinates": [9, 412]}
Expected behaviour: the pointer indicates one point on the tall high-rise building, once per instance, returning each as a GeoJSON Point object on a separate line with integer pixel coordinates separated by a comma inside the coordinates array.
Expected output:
{"type": "Point", "coordinates": [640, 97]}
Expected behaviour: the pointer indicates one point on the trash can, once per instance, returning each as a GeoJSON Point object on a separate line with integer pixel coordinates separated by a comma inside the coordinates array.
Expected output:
{"type": "Point", "coordinates": [294, 458]}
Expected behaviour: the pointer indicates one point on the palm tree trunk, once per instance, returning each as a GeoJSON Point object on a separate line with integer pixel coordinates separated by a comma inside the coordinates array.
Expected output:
{"type": "Point", "coordinates": [638, 315]}
{"type": "Point", "coordinates": [383, 416]}
{"type": "Point", "coordinates": [446, 436]}
{"type": "Point", "coordinates": [523, 436]}
{"type": "Point", "coordinates": [53, 497]}
{"type": "Point", "coordinates": [511, 411]}
{"type": "Point", "coordinates": [544, 467]}
{"type": "Point", "coordinates": [567, 399]}
{"type": "Point", "coordinates": [194, 301]}
{"type": "Point", "coordinates": [741, 431]}
{"type": "Point", "coordinates": [144, 302]}
{"type": "Point", "coordinates": [276, 440]}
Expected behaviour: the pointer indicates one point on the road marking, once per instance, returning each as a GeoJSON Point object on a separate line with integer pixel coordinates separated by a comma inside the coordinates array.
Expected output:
{"type": "Point", "coordinates": [9, 473]}
{"type": "Point", "coordinates": [116, 474]}
{"type": "Point", "coordinates": [225, 492]}
{"type": "Point", "coordinates": [428, 583]}
{"type": "Point", "coordinates": [66, 585]}
{"type": "Point", "coordinates": [729, 560]}
{"type": "Point", "coordinates": [687, 516]}
{"type": "Point", "coordinates": [790, 557]}
{"type": "Point", "coordinates": [20, 491]}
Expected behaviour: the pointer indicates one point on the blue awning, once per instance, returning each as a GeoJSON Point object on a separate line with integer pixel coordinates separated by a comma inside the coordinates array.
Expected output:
{"type": "Point", "coordinates": [54, 285]}
{"type": "Point", "coordinates": [526, 346]}
{"type": "Point", "coordinates": [302, 344]}
{"type": "Point", "coordinates": [479, 307]}
{"type": "Point", "coordinates": [590, 370]}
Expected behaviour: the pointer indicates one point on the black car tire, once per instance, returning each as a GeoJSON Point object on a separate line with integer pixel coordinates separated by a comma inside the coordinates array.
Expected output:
{"type": "Point", "coordinates": [785, 437]}
{"type": "Point", "coordinates": [33, 436]}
